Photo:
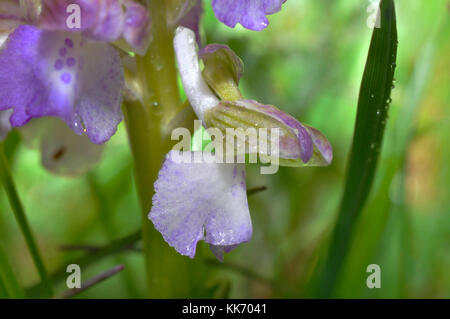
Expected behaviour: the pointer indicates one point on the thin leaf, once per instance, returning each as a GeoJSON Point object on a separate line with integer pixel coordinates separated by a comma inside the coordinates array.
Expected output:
{"type": "Point", "coordinates": [7, 181]}
{"type": "Point", "coordinates": [373, 105]}
{"type": "Point", "coordinates": [374, 218]}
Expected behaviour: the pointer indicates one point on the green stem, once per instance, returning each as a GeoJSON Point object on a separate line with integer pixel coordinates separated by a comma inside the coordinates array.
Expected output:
{"type": "Point", "coordinates": [17, 207]}
{"type": "Point", "coordinates": [146, 122]}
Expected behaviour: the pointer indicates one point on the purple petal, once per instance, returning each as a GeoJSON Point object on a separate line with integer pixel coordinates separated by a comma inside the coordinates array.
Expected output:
{"type": "Point", "coordinates": [323, 151]}
{"type": "Point", "coordinates": [177, 9]}
{"type": "Point", "coordinates": [200, 201]}
{"type": "Point", "coordinates": [250, 13]}
{"type": "Point", "coordinates": [47, 73]}
{"type": "Point", "coordinates": [191, 19]}
{"type": "Point", "coordinates": [100, 19]}
{"type": "Point", "coordinates": [137, 27]}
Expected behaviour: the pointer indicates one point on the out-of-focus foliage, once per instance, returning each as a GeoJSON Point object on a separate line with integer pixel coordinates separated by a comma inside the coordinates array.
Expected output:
{"type": "Point", "coordinates": [308, 62]}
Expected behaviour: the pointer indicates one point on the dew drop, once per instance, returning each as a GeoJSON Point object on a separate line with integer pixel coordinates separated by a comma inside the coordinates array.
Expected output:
{"type": "Point", "coordinates": [372, 146]}
{"type": "Point", "coordinates": [372, 96]}
{"type": "Point", "coordinates": [155, 104]}
{"type": "Point", "coordinates": [378, 112]}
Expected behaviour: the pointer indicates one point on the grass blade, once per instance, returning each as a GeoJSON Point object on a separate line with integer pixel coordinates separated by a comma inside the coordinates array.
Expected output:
{"type": "Point", "coordinates": [17, 207]}
{"type": "Point", "coordinates": [373, 105]}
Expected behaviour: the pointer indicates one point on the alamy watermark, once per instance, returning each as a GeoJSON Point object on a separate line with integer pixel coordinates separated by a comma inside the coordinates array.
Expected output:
{"type": "Point", "coordinates": [374, 279]}
{"type": "Point", "coordinates": [74, 279]}
{"type": "Point", "coordinates": [259, 145]}
{"type": "Point", "coordinates": [73, 20]}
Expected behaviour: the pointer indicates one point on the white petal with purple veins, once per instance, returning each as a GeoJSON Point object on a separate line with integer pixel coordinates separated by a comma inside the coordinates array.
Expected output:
{"type": "Point", "coordinates": [201, 201]}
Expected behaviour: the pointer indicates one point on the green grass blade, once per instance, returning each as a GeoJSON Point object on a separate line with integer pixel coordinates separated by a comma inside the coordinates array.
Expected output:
{"type": "Point", "coordinates": [7, 181]}
{"type": "Point", "coordinates": [374, 218]}
{"type": "Point", "coordinates": [373, 105]}
{"type": "Point", "coordinates": [9, 282]}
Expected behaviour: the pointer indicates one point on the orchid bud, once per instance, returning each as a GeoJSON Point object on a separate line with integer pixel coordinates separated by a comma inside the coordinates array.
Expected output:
{"type": "Point", "coordinates": [223, 69]}
{"type": "Point", "coordinates": [299, 144]}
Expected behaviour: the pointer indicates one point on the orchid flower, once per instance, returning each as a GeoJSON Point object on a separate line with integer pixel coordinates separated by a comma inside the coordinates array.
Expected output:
{"type": "Point", "coordinates": [207, 201]}
{"type": "Point", "coordinates": [74, 74]}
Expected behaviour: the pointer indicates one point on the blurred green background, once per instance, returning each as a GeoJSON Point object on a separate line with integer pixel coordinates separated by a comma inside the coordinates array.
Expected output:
{"type": "Point", "coordinates": [308, 62]}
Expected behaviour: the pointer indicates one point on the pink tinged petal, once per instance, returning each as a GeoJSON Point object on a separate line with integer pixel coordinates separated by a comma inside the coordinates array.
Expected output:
{"type": "Point", "coordinates": [250, 13]}
{"type": "Point", "coordinates": [100, 19]}
{"type": "Point", "coordinates": [53, 73]}
{"type": "Point", "coordinates": [323, 151]}
{"type": "Point", "coordinates": [201, 201]}
{"type": "Point", "coordinates": [315, 150]}
{"type": "Point", "coordinates": [137, 27]}
{"type": "Point", "coordinates": [191, 19]}
{"type": "Point", "coordinates": [5, 125]}
{"type": "Point", "coordinates": [177, 9]}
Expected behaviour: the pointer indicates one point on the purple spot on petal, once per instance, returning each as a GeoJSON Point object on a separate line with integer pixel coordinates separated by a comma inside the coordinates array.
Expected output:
{"type": "Point", "coordinates": [69, 43]}
{"type": "Point", "coordinates": [71, 62]}
{"type": "Point", "coordinates": [66, 78]}
{"type": "Point", "coordinates": [59, 64]}
{"type": "Point", "coordinates": [62, 52]}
